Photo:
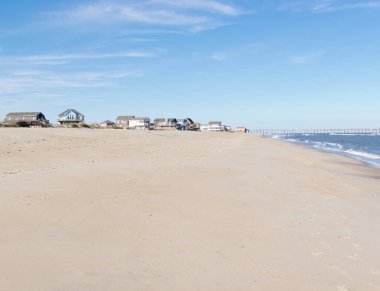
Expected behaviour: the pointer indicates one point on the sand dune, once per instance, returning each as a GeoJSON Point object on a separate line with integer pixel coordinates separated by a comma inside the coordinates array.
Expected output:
{"type": "Point", "coordinates": [124, 210]}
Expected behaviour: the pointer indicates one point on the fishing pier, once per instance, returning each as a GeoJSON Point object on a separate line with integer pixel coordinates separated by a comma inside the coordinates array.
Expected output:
{"type": "Point", "coordinates": [374, 131]}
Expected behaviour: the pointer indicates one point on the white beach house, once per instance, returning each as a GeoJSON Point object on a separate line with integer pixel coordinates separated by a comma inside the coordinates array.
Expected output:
{"type": "Point", "coordinates": [213, 126]}
{"type": "Point", "coordinates": [139, 123]}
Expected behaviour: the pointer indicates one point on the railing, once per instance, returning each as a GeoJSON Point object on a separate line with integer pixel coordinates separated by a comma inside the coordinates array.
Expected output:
{"type": "Point", "coordinates": [315, 131]}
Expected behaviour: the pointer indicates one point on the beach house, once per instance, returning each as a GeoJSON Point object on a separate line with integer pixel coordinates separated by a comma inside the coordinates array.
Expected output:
{"type": "Point", "coordinates": [70, 116]}
{"type": "Point", "coordinates": [139, 123]}
{"type": "Point", "coordinates": [165, 122]}
{"type": "Point", "coordinates": [213, 126]}
{"type": "Point", "coordinates": [123, 120]}
{"type": "Point", "coordinates": [216, 126]}
{"type": "Point", "coordinates": [240, 129]}
{"type": "Point", "coordinates": [186, 124]}
{"type": "Point", "coordinates": [28, 117]}
{"type": "Point", "coordinates": [106, 123]}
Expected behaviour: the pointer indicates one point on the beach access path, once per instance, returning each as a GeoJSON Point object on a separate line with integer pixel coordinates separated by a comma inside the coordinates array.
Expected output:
{"type": "Point", "coordinates": [107, 209]}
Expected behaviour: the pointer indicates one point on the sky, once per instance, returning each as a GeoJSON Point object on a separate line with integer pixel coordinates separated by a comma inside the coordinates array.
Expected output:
{"type": "Point", "coordinates": [260, 64]}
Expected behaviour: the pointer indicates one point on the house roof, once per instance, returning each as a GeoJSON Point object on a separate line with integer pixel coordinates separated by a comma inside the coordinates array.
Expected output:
{"type": "Point", "coordinates": [107, 122]}
{"type": "Point", "coordinates": [125, 117]}
{"type": "Point", "coordinates": [23, 113]}
{"type": "Point", "coordinates": [215, 123]}
{"type": "Point", "coordinates": [141, 118]}
{"type": "Point", "coordinates": [67, 111]}
{"type": "Point", "coordinates": [165, 119]}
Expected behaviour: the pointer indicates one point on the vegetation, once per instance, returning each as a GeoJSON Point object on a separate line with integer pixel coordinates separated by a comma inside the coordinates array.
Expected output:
{"type": "Point", "coordinates": [83, 125]}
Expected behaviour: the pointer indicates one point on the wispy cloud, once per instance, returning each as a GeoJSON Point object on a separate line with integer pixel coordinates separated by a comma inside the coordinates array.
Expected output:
{"type": "Point", "coordinates": [302, 59]}
{"type": "Point", "coordinates": [325, 6]}
{"type": "Point", "coordinates": [25, 81]}
{"type": "Point", "coordinates": [242, 51]}
{"type": "Point", "coordinates": [194, 15]}
{"type": "Point", "coordinates": [219, 56]}
{"type": "Point", "coordinates": [63, 58]}
{"type": "Point", "coordinates": [213, 6]}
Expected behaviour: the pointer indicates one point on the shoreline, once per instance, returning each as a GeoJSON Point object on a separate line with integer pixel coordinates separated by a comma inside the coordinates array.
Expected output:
{"type": "Point", "coordinates": [96, 210]}
{"type": "Point", "coordinates": [363, 157]}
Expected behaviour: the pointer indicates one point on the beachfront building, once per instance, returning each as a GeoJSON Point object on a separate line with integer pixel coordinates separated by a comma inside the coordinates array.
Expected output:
{"type": "Point", "coordinates": [70, 116]}
{"type": "Point", "coordinates": [28, 117]}
{"type": "Point", "coordinates": [123, 120]}
{"type": "Point", "coordinates": [216, 126]}
{"type": "Point", "coordinates": [186, 124]}
{"type": "Point", "coordinates": [213, 126]}
{"type": "Point", "coordinates": [240, 129]}
{"type": "Point", "coordinates": [165, 122]}
{"type": "Point", "coordinates": [106, 123]}
{"type": "Point", "coordinates": [139, 123]}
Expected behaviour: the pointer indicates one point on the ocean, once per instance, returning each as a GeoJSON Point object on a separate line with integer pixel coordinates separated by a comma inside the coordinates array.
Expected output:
{"type": "Point", "coordinates": [365, 148]}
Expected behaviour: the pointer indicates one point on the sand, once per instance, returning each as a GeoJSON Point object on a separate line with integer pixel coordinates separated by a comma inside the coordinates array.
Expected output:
{"type": "Point", "coordinates": [127, 210]}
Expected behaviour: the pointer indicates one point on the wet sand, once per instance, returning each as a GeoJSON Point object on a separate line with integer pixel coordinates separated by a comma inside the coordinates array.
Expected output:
{"type": "Point", "coordinates": [127, 210]}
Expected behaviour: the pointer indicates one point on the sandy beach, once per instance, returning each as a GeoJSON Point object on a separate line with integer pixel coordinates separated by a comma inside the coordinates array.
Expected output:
{"type": "Point", "coordinates": [142, 210]}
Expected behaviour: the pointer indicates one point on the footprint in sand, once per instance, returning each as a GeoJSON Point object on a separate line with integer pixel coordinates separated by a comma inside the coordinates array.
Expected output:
{"type": "Point", "coordinates": [358, 247]}
{"type": "Point", "coordinates": [315, 233]}
{"type": "Point", "coordinates": [317, 253]}
{"type": "Point", "coordinates": [354, 257]}
{"type": "Point", "coordinates": [339, 269]}
{"type": "Point", "coordinates": [342, 288]}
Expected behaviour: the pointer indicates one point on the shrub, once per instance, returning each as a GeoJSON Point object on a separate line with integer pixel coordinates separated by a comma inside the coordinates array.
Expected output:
{"type": "Point", "coordinates": [83, 125]}
{"type": "Point", "coordinates": [5, 124]}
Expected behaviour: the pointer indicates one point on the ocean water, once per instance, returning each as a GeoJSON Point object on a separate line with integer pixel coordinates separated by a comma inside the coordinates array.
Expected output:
{"type": "Point", "coordinates": [365, 148]}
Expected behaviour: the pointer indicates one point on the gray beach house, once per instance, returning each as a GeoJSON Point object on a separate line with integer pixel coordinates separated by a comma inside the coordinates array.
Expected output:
{"type": "Point", "coordinates": [29, 117]}
{"type": "Point", "coordinates": [123, 120]}
{"type": "Point", "coordinates": [165, 122]}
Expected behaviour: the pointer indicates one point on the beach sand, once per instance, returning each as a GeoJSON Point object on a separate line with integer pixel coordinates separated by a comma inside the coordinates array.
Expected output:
{"type": "Point", "coordinates": [137, 210]}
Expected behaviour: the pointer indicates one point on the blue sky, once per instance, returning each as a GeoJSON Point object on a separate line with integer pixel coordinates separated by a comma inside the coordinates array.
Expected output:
{"type": "Point", "coordinates": [263, 64]}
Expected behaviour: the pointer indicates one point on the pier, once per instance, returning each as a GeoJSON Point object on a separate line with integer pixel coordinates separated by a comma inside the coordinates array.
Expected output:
{"type": "Point", "coordinates": [315, 131]}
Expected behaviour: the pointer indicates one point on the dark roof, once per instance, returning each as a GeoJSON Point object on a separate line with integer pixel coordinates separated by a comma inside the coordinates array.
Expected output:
{"type": "Point", "coordinates": [125, 117]}
{"type": "Point", "coordinates": [165, 119]}
{"type": "Point", "coordinates": [23, 113]}
{"type": "Point", "coordinates": [215, 122]}
{"type": "Point", "coordinates": [66, 111]}
{"type": "Point", "coordinates": [107, 121]}
{"type": "Point", "coordinates": [140, 118]}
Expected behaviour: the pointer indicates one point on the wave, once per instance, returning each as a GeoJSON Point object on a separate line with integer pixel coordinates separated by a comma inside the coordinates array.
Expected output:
{"type": "Point", "coordinates": [337, 148]}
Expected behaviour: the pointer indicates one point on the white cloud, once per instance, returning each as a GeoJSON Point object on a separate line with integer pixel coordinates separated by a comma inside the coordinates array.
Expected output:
{"type": "Point", "coordinates": [63, 58]}
{"type": "Point", "coordinates": [330, 6]}
{"type": "Point", "coordinates": [25, 81]}
{"type": "Point", "coordinates": [302, 59]}
{"type": "Point", "coordinates": [245, 51]}
{"type": "Point", "coordinates": [194, 15]}
{"type": "Point", "coordinates": [219, 56]}
{"type": "Point", "coordinates": [324, 6]}
{"type": "Point", "coordinates": [213, 6]}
